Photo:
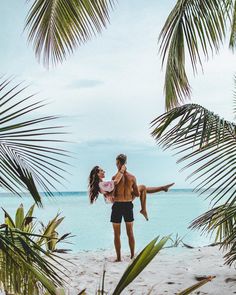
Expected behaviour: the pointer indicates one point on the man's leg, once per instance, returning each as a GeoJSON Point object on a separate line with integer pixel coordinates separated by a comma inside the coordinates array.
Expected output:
{"type": "Point", "coordinates": [130, 234]}
{"type": "Point", "coordinates": [116, 228]}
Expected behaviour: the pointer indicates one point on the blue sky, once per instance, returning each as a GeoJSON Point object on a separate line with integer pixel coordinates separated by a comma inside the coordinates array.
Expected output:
{"type": "Point", "coordinates": [111, 88]}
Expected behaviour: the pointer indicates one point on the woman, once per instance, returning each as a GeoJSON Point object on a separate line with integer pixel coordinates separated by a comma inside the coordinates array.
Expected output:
{"type": "Point", "coordinates": [98, 185]}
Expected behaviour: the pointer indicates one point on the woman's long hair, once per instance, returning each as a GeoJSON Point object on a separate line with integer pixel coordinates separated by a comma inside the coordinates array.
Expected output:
{"type": "Point", "coordinates": [93, 186]}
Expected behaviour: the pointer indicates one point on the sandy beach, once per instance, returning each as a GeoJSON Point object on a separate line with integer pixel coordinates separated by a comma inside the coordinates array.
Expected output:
{"type": "Point", "coordinates": [171, 271]}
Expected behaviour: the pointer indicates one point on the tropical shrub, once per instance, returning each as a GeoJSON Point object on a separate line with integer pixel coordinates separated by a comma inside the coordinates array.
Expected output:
{"type": "Point", "coordinates": [28, 264]}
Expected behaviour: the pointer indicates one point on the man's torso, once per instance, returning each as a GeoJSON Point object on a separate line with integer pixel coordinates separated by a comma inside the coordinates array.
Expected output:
{"type": "Point", "coordinates": [124, 189]}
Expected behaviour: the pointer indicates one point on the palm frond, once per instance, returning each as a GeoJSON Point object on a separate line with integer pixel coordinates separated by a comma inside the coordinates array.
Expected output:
{"type": "Point", "coordinates": [198, 25]}
{"type": "Point", "coordinates": [232, 42]}
{"type": "Point", "coordinates": [26, 264]}
{"type": "Point", "coordinates": [208, 144]}
{"type": "Point", "coordinates": [57, 27]}
{"type": "Point", "coordinates": [26, 162]}
{"type": "Point", "coordinates": [220, 220]}
{"type": "Point", "coordinates": [21, 258]}
{"type": "Point", "coordinates": [234, 95]}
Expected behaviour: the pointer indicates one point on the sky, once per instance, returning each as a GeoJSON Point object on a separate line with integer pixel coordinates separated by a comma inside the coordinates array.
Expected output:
{"type": "Point", "coordinates": [110, 90]}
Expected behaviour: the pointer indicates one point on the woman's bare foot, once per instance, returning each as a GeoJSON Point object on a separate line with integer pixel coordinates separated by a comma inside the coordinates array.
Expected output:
{"type": "Point", "coordinates": [144, 212]}
{"type": "Point", "coordinates": [166, 187]}
{"type": "Point", "coordinates": [117, 260]}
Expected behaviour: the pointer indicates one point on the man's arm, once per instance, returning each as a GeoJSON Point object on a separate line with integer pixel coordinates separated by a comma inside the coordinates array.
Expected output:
{"type": "Point", "coordinates": [135, 188]}
{"type": "Point", "coordinates": [117, 178]}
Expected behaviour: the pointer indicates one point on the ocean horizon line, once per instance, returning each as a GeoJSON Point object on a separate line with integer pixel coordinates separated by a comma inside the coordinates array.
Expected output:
{"type": "Point", "coordinates": [81, 192]}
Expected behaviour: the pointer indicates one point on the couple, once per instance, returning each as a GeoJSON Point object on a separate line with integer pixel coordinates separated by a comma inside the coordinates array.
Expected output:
{"type": "Point", "coordinates": [121, 191]}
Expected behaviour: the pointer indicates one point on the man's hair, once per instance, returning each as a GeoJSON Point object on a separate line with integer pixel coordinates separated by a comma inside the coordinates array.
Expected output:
{"type": "Point", "coordinates": [122, 159]}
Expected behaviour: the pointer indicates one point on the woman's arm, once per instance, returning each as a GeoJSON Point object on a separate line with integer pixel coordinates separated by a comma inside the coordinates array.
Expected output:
{"type": "Point", "coordinates": [119, 175]}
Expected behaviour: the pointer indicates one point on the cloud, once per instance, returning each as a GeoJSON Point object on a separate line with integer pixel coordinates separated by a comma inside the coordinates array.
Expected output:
{"type": "Point", "coordinates": [85, 83]}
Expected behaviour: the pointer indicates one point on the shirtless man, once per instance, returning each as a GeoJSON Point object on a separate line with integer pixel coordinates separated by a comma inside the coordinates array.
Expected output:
{"type": "Point", "coordinates": [124, 194]}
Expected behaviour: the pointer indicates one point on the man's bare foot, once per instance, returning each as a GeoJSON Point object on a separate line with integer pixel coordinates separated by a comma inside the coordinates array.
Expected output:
{"type": "Point", "coordinates": [117, 260]}
{"type": "Point", "coordinates": [166, 187]}
{"type": "Point", "coordinates": [144, 212]}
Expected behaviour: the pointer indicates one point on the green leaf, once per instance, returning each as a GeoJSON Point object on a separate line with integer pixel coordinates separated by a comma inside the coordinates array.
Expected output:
{"type": "Point", "coordinates": [199, 26]}
{"type": "Point", "coordinates": [139, 263]}
{"type": "Point", "coordinates": [26, 162]}
{"type": "Point", "coordinates": [57, 27]}
{"type": "Point", "coordinates": [232, 42]}
{"type": "Point", "coordinates": [19, 218]}
{"type": "Point", "coordinates": [206, 142]}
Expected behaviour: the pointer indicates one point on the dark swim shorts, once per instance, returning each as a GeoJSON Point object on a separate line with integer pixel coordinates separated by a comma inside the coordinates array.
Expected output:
{"type": "Point", "coordinates": [122, 209]}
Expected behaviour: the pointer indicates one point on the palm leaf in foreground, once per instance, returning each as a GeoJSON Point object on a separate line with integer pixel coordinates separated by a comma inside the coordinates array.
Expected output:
{"type": "Point", "coordinates": [201, 27]}
{"type": "Point", "coordinates": [139, 263]}
{"type": "Point", "coordinates": [57, 27]}
{"type": "Point", "coordinates": [205, 139]}
{"type": "Point", "coordinates": [27, 262]}
{"type": "Point", "coordinates": [25, 161]}
{"type": "Point", "coordinates": [20, 261]}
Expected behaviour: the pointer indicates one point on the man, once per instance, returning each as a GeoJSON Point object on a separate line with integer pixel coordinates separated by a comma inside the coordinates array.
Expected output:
{"type": "Point", "coordinates": [124, 193]}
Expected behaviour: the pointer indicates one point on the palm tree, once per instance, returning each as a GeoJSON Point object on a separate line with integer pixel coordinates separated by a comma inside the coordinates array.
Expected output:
{"type": "Point", "coordinates": [26, 163]}
{"type": "Point", "coordinates": [201, 137]}
{"type": "Point", "coordinates": [30, 159]}
{"type": "Point", "coordinates": [208, 144]}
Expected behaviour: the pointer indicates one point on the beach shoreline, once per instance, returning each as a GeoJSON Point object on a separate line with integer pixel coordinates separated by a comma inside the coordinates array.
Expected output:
{"type": "Point", "coordinates": [171, 271]}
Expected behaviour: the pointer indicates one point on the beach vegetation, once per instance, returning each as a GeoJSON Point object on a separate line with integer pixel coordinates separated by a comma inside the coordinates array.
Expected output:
{"type": "Point", "coordinates": [204, 141]}
{"type": "Point", "coordinates": [30, 160]}
{"type": "Point", "coordinates": [28, 263]}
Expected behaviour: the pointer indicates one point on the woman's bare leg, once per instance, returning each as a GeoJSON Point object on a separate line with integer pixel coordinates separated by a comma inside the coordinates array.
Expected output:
{"type": "Point", "coordinates": [156, 189]}
{"type": "Point", "coordinates": [143, 191]}
{"type": "Point", "coordinates": [143, 197]}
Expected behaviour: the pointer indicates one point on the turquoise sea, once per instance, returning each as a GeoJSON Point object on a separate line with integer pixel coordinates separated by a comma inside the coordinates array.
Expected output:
{"type": "Point", "coordinates": [169, 213]}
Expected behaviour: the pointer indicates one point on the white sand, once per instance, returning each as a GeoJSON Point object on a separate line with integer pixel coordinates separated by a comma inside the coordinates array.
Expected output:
{"type": "Point", "coordinates": [171, 271]}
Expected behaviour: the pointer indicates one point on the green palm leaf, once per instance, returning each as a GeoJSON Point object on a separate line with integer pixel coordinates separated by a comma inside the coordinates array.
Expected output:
{"type": "Point", "coordinates": [232, 42]}
{"type": "Point", "coordinates": [220, 220]}
{"type": "Point", "coordinates": [199, 26]}
{"type": "Point", "coordinates": [57, 27]}
{"type": "Point", "coordinates": [20, 258]}
{"type": "Point", "coordinates": [139, 263]}
{"type": "Point", "coordinates": [208, 144]}
{"type": "Point", "coordinates": [234, 95]}
{"type": "Point", "coordinates": [25, 161]}
{"type": "Point", "coordinates": [28, 266]}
